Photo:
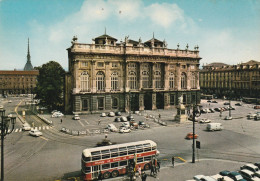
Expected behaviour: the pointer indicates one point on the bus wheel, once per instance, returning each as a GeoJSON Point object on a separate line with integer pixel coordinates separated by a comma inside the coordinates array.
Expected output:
{"type": "Point", "coordinates": [115, 173]}
{"type": "Point", "coordinates": [106, 175]}
{"type": "Point", "coordinates": [147, 166]}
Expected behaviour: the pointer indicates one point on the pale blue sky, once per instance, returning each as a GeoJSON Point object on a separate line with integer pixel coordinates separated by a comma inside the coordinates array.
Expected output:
{"type": "Point", "coordinates": [226, 30]}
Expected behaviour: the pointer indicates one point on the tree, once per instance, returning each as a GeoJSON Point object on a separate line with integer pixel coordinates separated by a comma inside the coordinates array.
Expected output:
{"type": "Point", "coordinates": [50, 85]}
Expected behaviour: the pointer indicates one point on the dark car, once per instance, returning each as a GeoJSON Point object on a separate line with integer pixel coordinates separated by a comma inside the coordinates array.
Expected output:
{"type": "Point", "coordinates": [142, 124]}
{"type": "Point", "coordinates": [226, 103]}
{"type": "Point", "coordinates": [217, 109]}
{"type": "Point", "coordinates": [209, 101]}
{"type": "Point", "coordinates": [238, 104]}
{"type": "Point", "coordinates": [214, 102]}
{"type": "Point", "coordinates": [236, 176]}
{"type": "Point", "coordinates": [257, 164]}
{"type": "Point", "coordinates": [130, 118]}
{"type": "Point", "coordinates": [118, 113]}
{"type": "Point", "coordinates": [117, 120]}
{"type": "Point", "coordinates": [105, 142]}
{"type": "Point", "coordinates": [224, 173]}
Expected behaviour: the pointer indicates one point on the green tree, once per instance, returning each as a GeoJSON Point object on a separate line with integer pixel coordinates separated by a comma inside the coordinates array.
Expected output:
{"type": "Point", "coordinates": [50, 85]}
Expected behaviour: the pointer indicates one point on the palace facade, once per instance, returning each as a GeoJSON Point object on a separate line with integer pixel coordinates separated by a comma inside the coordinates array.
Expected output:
{"type": "Point", "coordinates": [234, 81]}
{"type": "Point", "coordinates": [107, 75]}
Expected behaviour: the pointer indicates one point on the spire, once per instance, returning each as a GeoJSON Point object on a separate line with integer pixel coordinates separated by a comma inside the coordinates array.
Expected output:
{"type": "Point", "coordinates": [28, 65]}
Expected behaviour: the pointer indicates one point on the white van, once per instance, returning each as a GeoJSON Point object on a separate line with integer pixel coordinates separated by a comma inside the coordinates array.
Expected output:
{"type": "Point", "coordinates": [214, 127]}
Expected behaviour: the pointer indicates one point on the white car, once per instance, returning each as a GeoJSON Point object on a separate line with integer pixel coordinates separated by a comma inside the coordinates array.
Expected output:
{"type": "Point", "coordinates": [124, 130]}
{"type": "Point", "coordinates": [204, 120]}
{"type": "Point", "coordinates": [126, 124]}
{"type": "Point", "coordinates": [112, 128]}
{"type": "Point", "coordinates": [57, 115]}
{"type": "Point", "coordinates": [26, 127]}
{"type": "Point", "coordinates": [35, 133]}
{"type": "Point", "coordinates": [218, 177]}
{"type": "Point", "coordinates": [10, 101]}
{"type": "Point", "coordinates": [103, 114]}
{"type": "Point", "coordinates": [111, 114]}
{"type": "Point", "coordinates": [1, 107]}
{"type": "Point", "coordinates": [123, 119]}
{"type": "Point", "coordinates": [76, 117]}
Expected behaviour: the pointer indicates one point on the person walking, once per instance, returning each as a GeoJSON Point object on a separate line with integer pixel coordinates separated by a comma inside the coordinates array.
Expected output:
{"type": "Point", "coordinates": [60, 120]}
{"type": "Point", "coordinates": [173, 161]}
{"type": "Point", "coordinates": [139, 170]}
{"type": "Point", "coordinates": [99, 175]}
{"type": "Point", "coordinates": [159, 116]}
{"type": "Point", "coordinates": [152, 170]}
{"type": "Point", "coordinates": [144, 176]}
{"type": "Point", "coordinates": [158, 165]}
{"type": "Point", "coordinates": [99, 121]}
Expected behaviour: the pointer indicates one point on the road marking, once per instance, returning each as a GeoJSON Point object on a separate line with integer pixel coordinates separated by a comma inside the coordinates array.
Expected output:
{"type": "Point", "coordinates": [16, 130]}
{"type": "Point", "coordinates": [39, 128]}
{"type": "Point", "coordinates": [44, 138]}
{"type": "Point", "coordinates": [20, 129]}
{"type": "Point", "coordinates": [81, 123]}
{"type": "Point", "coordinates": [86, 122]}
{"type": "Point", "coordinates": [181, 159]}
{"type": "Point", "coordinates": [43, 128]}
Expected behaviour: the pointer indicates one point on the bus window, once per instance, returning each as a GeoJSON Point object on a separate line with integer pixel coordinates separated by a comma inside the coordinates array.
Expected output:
{"type": "Point", "coordinates": [131, 152]}
{"type": "Point", "coordinates": [104, 151]}
{"type": "Point", "coordinates": [115, 164]}
{"type": "Point", "coordinates": [154, 148]}
{"type": "Point", "coordinates": [139, 146]}
{"type": "Point", "coordinates": [148, 158]}
{"type": "Point", "coordinates": [147, 145]}
{"type": "Point", "coordinates": [141, 159]}
{"type": "Point", "coordinates": [105, 166]}
{"type": "Point", "coordinates": [122, 149]}
{"type": "Point", "coordinates": [123, 153]}
{"type": "Point", "coordinates": [139, 150]}
{"type": "Point", "coordinates": [96, 158]}
{"type": "Point", "coordinates": [147, 149]}
{"type": "Point", "coordinates": [105, 156]}
{"type": "Point", "coordinates": [123, 163]}
{"type": "Point", "coordinates": [87, 169]}
{"type": "Point", "coordinates": [114, 154]}
{"type": "Point", "coordinates": [86, 159]}
{"type": "Point", "coordinates": [114, 150]}
{"type": "Point", "coordinates": [95, 153]}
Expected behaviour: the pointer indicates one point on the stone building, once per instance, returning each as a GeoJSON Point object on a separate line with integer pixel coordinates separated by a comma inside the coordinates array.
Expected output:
{"type": "Point", "coordinates": [234, 81]}
{"type": "Point", "coordinates": [18, 81]}
{"type": "Point", "coordinates": [129, 75]}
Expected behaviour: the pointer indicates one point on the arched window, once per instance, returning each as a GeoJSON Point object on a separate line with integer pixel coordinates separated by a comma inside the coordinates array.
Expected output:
{"type": "Point", "coordinates": [145, 77]}
{"type": "Point", "coordinates": [114, 81]}
{"type": "Point", "coordinates": [84, 81]}
{"type": "Point", "coordinates": [193, 81]}
{"type": "Point", "coordinates": [157, 76]}
{"type": "Point", "coordinates": [132, 80]}
{"type": "Point", "coordinates": [171, 80]}
{"type": "Point", "coordinates": [100, 81]}
{"type": "Point", "coordinates": [183, 81]}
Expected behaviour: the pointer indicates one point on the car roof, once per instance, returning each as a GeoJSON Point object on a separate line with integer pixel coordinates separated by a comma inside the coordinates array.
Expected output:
{"type": "Point", "coordinates": [247, 171]}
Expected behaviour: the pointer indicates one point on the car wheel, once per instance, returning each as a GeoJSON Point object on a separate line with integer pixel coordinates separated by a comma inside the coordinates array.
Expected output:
{"type": "Point", "coordinates": [106, 175]}
{"type": "Point", "coordinates": [147, 166]}
{"type": "Point", "coordinates": [115, 173]}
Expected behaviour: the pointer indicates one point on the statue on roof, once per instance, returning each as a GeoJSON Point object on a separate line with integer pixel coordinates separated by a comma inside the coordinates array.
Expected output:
{"type": "Point", "coordinates": [164, 44]}
{"type": "Point", "coordinates": [126, 39]}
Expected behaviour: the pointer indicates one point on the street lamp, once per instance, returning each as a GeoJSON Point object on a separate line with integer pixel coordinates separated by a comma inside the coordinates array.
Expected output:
{"type": "Point", "coordinates": [5, 122]}
{"type": "Point", "coordinates": [195, 113]}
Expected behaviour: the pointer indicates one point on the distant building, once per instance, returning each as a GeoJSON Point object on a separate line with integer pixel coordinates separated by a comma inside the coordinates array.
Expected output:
{"type": "Point", "coordinates": [235, 81]}
{"type": "Point", "coordinates": [131, 75]}
{"type": "Point", "coordinates": [18, 81]}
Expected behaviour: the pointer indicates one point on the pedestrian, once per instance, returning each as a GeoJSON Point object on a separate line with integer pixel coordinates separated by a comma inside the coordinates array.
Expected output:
{"type": "Point", "coordinates": [60, 120]}
{"type": "Point", "coordinates": [158, 165]}
{"type": "Point", "coordinates": [99, 121]}
{"type": "Point", "coordinates": [139, 170]}
{"type": "Point", "coordinates": [144, 176]}
{"type": "Point", "coordinates": [159, 116]}
{"type": "Point", "coordinates": [99, 175]}
{"type": "Point", "coordinates": [152, 170]}
{"type": "Point", "coordinates": [173, 161]}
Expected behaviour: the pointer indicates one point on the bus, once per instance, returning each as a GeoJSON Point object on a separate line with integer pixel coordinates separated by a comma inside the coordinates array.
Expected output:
{"type": "Point", "coordinates": [114, 160]}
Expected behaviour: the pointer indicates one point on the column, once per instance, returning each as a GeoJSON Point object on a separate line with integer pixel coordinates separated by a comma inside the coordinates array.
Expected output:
{"type": "Point", "coordinates": [107, 77]}
{"type": "Point", "coordinates": [140, 77]}
{"type": "Point", "coordinates": [93, 77]}
{"type": "Point", "coordinates": [166, 101]}
{"type": "Point", "coordinates": [188, 77]}
{"type": "Point", "coordinates": [166, 77]}
{"type": "Point", "coordinates": [178, 77]}
{"type": "Point", "coordinates": [154, 101]}
{"type": "Point", "coordinates": [127, 88]}
{"type": "Point", "coordinates": [152, 75]}
{"type": "Point", "coordinates": [141, 102]}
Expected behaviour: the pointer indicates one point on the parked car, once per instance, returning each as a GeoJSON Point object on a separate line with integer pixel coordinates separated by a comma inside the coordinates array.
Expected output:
{"type": "Point", "coordinates": [226, 103]}
{"type": "Point", "coordinates": [257, 107]}
{"type": "Point", "coordinates": [204, 120]}
{"type": "Point", "coordinates": [111, 114]}
{"type": "Point", "coordinates": [124, 129]}
{"type": "Point", "coordinates": [130, 117]}
{"type": "Point", "coordinates": [133, 125]}
{"type": "Point", "coordinates": [248, 175]}
{"type": "Point", "coordinates": [126, 124]}
{"type": "Point", "coordinates": [76, 117]}
{"type": "Point", "coordinates": [198, 177]}
{"type": "Point", "coordinates": [35, 133]}
{"type": "Point", "coordinates": [203, 111]}
{"type": "Point", "coordinates": [103, 114]}
{"type": "Point", "coordinates": [214, 127]}
{"type": "Point", "coordinates": [250, 167]}
{"type": "Point", "coordinates": [211, 110]}
{"type": "Point", "coordinates": [251, 116]}
{"type": "Point", "coordinates": [236, 176]}
{"type": "Point", "coordinates": [238, 104]}
{"type": "Point", "coordinates": [214, 101]}
{"type": "Point", "coordinates": [57, 115]}
{"type": "Point", "coordinates": [26, 127]}
{"type": "Point", "coordinates": [190, 118]}
{"type": "Point", "coordinates": [142, 124]}
{"type": "Point", "coordinates": [117, 120]}
{"type": "Point", "coordinates": [123, 119]}
{"type": "Point", "coordinates": [208, 100]}
{"type": "Point", "coordinates": [217, 109]}
{"type": "Point", "coordinates": [257, 164]}
{"type": "Point", "coordinates": [221, 177]}
{"type": "Point", "coordinates": [112, 128]}
{"type": "Point", "coordinates": [231, 108]}
{"type": "Point", "coordinates": [190, 136]}
{"type": "Point", "coordinates": [118, 113]}
{"type": "Point", "coordinates": [228, 118]}
{"type": "Point", "coordinates": [257, 117]}
{"type": "Point", "coordinates": [224, 173]}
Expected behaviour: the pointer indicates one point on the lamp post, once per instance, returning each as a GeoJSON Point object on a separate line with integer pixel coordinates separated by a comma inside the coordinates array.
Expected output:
{"type": "Point", "coordinates": [5, 122]}
{"type": "Point", "coordinates": [195, 113]}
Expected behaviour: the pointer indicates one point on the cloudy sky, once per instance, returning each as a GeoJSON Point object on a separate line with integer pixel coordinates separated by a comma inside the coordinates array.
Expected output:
{"type": "Point", "coordinates": [226, 30]}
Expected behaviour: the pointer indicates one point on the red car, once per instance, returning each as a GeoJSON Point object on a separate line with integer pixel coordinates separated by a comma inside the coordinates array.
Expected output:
{"type": "Point", "coordinates": [257, 107]}
{"type": "Point", "coordinates": [190, 136]}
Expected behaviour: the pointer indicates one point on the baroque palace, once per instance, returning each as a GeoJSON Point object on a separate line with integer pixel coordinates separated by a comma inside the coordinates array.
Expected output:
{"type": "Point", "coordinates": [19, 81]}
{"type": "Point", "coordinates": [107, 75]}
{"type": "Point", "coordinates": [233, 81]}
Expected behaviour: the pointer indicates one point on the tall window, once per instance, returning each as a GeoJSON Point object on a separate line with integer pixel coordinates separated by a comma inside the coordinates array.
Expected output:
{"type": "Point", "coordinates": [84, 105]}
{"type": "Point", "coordinates": [114, 81]}
{"type": "Point", "coordinates": [84, 81]}
{"type": "Point", "coordinates": [114, 103]}
{"type": "Point", "coordinates": [145, 76]}
{"type": "Point", "coordinates": [132, 80]}
{"type": "Point", "coordinates": [100, 81]}
{"type": "Point", "coordinates": [100, 101]}
{"type": "Point", "coordinates": [171, 80]}
{"type": "Point", "coordinates": [183, 81]}
{"type": "Point", "coordinates": [193, 81]}
{"type": "Point", "coordinates": [157, 75]}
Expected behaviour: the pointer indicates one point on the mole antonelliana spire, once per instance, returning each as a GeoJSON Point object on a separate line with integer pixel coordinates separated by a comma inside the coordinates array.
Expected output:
{"type": "Point", "coordinates": [28, 65]}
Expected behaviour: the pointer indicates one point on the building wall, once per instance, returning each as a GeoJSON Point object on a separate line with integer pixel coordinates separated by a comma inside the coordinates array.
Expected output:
{"type": "Point", "coordinates": [242, 80]}
{"type": "Point", "coordinates": [18, 82]}
{"type": "Point", "coordinates": [135, 77]}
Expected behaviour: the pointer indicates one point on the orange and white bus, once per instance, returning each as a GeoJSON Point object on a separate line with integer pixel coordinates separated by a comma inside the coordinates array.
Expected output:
{"type": "Point", "coordinates": [114, 160]}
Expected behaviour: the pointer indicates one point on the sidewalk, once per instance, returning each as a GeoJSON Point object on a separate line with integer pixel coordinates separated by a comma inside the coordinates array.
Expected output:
{"type": "Point", "coordinates": [186, 171]}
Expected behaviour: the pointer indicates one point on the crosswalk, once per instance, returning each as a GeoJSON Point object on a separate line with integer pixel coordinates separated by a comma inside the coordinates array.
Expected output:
{"type": "Point", "coordinates": [18, 130]}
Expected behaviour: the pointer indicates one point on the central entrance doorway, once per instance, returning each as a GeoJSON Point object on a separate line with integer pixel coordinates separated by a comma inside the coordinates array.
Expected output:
{"type": "Point", "coordinates": [148, 101]}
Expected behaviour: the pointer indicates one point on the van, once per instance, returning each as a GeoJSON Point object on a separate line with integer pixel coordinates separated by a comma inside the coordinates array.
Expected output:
{"type": "Point", "coordinates": [214, 127]}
